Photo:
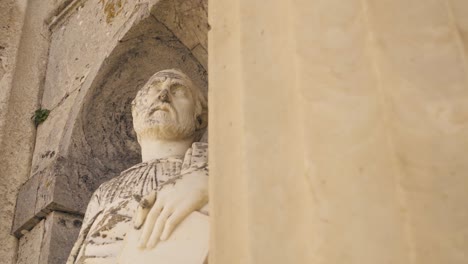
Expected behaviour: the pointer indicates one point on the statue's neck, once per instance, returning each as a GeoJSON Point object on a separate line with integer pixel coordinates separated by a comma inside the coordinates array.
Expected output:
{"type": "Point", "coordinates": [157, 149]}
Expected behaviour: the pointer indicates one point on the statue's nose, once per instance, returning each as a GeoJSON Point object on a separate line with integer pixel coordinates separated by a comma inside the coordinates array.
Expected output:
{"type": "Point", "coordinates": [164, 96]}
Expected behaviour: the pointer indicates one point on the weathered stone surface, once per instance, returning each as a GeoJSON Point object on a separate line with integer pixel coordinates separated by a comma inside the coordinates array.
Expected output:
{"type": "Point", "coordinates": [79, 42]}
{"type": "Point", "coordinates": [30, 245]}
{"type": "Point", "coordinates": [61, 190]}
{"type": "Point", "coordinates": [85, 39]}
{"type": "Point", "coordinates": [11, 16]}
{"type": "Point", "coordinates": [191, 16]}
{"type": "Point", "coordinates": [201, 54]}
{"type": "Point", "coordinates": [25, 215]}
{"type": "Point", "coordinates": [21, 71]}
{"type": "Point", "coordinates": [61, 231]}
{"type": "Point", "coordinates": [50, 133]}
{"type": "Point", "coordinates": [48, 190]}
{"type": "Point", "coordinates": [36, 198]}
{"type": "Point", "coordinates": [50, 241]}
{"type": "Point", "coordinates": [79, 146]}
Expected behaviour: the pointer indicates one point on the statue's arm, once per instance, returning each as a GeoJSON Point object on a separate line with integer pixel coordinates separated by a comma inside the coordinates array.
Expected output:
{"type": "Point", "coordinates": [174, 200]}
{"type": "Point", "coordinates": [93, 210]}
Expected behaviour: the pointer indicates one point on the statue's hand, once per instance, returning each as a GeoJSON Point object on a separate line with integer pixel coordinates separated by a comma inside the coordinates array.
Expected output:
{"type": "Point", "coordinates": [165, 209]}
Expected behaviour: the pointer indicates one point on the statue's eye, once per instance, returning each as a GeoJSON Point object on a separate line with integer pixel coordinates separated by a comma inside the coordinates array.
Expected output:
{"type": "Point", "coordinates": [177, 90]}
{"type": "Point", "coordinates": [156, 87]}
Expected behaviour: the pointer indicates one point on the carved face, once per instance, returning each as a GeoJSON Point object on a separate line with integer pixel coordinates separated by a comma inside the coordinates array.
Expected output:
{"type": "Point", "coordinates": [167, 107]}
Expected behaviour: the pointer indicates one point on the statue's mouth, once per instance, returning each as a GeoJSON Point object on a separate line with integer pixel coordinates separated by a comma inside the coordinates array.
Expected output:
{"type": "Point", "coordinates": [164, 107]}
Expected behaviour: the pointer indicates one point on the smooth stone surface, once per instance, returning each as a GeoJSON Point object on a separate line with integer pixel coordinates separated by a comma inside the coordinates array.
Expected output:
{"type": "Point", "coordinates": [187, 245]}
{"type": "Point", "coordinates": [348, 132]}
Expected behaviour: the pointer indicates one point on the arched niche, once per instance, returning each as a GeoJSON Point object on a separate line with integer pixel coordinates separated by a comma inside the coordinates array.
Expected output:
{"type": "Point", "coordinates": [102, 142]}
{"type": "Point", "coordinates": [97, 141]}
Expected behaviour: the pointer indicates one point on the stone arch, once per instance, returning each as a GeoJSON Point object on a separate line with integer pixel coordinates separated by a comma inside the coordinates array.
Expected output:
{"type": "Point", "coordinates": [102, 142]}
{"type": "Point", "coordinates": [88, 137]}
{"type": "Point", "coordinates": [96, 140]}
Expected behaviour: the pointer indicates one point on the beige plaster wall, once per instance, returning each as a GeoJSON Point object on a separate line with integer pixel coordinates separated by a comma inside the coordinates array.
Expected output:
{"type": "Point", "coordinates": [338, 131]}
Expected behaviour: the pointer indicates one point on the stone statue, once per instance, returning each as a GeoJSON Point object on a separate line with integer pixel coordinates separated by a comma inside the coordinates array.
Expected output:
{"type": "Point", "coordinates": [169, 113]}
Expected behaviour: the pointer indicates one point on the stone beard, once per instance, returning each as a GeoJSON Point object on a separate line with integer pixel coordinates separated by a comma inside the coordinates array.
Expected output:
{"type": "Point", "coordinates": [167, 109]}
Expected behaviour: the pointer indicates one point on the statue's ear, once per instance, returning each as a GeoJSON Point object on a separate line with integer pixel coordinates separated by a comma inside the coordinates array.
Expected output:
{"type": "Point", "coordinates": [202, 121]}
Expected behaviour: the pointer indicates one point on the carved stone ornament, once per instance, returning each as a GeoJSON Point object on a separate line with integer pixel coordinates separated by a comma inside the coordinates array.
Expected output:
{"type": "Point", "coordinates": [155, 211]}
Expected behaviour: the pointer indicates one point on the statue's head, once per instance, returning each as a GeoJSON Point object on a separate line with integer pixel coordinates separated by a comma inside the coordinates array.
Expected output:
{"type": "Point", "coordinates": [169, 107]}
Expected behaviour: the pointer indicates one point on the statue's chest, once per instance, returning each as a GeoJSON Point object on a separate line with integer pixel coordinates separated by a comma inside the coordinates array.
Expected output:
{"type": "Point", "coordinates": [140, 181]}
{"type": "Point", "coordinates": [109, 229]}
{"type": "Point", "coordinates": [118, 202]}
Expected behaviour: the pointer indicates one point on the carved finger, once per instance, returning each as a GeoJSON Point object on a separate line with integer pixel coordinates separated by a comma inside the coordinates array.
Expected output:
{"type": "Point", "coordinates": [148, 228]}
{"type": "Point", "coordinates": [173, 221]}
{"type": "Point", "coordinates": [158, 227]}
{"type": "Point", "coordinates": [143, 209]}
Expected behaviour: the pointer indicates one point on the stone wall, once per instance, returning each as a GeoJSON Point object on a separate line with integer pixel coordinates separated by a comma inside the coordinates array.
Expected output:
{"type": "Point", "coordinates": [341, 131]}
{"type": "Point", "coordinates": [15, 140]}
{"type": "Point", "coordinates": [94, 55]}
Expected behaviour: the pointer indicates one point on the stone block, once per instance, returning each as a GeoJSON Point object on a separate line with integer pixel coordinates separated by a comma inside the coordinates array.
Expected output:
{"type": "Point", "coordinates": [54, 188]}
{"type": "Point", "coordinates": [61, 231]}
{"type": "Point", "coordinates": [81, 39]}
{"type": "Point", "coordinates": [23, 50]}
{"type": "Point", "coordinates": [25, 217]}
{"type": "Point", "coordinates": [29, 251]}
{"type": "Point", "coordinates": [50, 240]}
{"type": "Point", "coordinates": [191, 16]}
{"type": "Point", "coordinates": [49, 134]}
{"type": "Point", "coordinates": [61, 190]}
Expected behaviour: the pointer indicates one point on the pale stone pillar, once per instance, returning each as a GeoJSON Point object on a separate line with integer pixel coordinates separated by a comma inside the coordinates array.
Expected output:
{"type": "Point", "coordinates": [338, 131]}
{"type": "Point", "coordinates": [421, 57]}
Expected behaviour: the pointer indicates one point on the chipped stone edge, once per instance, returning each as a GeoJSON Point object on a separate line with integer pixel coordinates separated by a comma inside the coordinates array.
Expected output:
{"type": "Point", "coordinates": [58, 16]}
{"type": "Point", "coordinates": [39, 211]}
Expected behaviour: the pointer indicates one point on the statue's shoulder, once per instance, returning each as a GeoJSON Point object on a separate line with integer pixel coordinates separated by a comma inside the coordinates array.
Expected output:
{"type": "Point", "coordinates": [133, 168]}
{"type": "Point", "coordinates": [121, 177]}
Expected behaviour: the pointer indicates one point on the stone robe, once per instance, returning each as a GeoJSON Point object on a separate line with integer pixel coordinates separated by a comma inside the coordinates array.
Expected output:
{"type": "Point", "coordinates": [110, 212]}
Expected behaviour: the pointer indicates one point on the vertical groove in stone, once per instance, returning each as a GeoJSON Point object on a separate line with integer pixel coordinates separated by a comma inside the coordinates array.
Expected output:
{"type": "Point", "coordinates": [342, 132]}
{"type": "Point", "coordinates": [458, 37]}
{"type": "Point", "coordinates": [311, 224]}
{"type": "Point", "coordinates": [376, 118]}
{"type": "Point", "coordinates": [398, 173]}
{"type": "Point", "coordinates": [306, 250]}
